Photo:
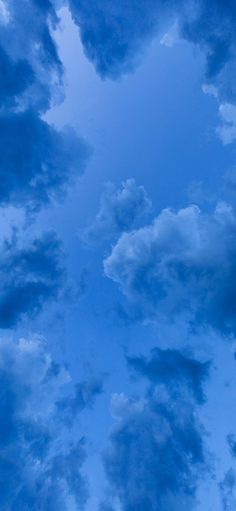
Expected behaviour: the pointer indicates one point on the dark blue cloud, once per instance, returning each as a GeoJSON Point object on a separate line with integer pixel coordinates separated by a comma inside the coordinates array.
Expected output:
{"type": "Point", "coordinates": [39, 468]}
{"type": "Point", "coordinates": [29, 54]}
{"type": "Point", "coordinates": [232, 444]}
{"type": "Point", "coordinates": [114, 33]}
{"type": "Point", "coordinates": [15, 77]}
{"type": "Point", "coordinates": [183, 264]}
{"type": "Point", "coordinates": [118, 212]}
{"type": "Point", "coordinates": [157, 456]}
{"type": "Point", "coordinates": [211, 27]}
{"type": "Point", "coordinates": [173, 369]}
{"type": "Point", "coordinates": [31, 274]}
{"type": "Point", "coordinates": [36, 161]}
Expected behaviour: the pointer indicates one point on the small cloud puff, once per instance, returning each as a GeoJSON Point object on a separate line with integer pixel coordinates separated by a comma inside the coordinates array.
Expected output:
{"type": "Point", "coordinates": [118, 212]}
{"type": "Point", "coordinates": [227, 491]}
{"type": "Point", "coordinates": [183, 264]}
{"type": "Point", "coordinates": [227, 129]}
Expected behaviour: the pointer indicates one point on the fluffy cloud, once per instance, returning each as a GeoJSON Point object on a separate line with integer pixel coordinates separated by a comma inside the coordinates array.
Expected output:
{"type": "Point", "coordinates": [31, 274]}
{"type": "Point", "coordinates": [39, 468]}
{"type": "Point", "coordinates": [119, 210]}
{"type": "Point", "coordinates": [156, 454]}
{"type": "Point", "coordinates": [183, 263]}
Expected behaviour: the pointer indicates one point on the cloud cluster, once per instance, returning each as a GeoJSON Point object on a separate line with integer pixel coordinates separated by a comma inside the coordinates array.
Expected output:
{"type": "Point", "coordinates": [118, 212]}
{"type": "Point", "coordinates": [181, 264]}
{"type": "Point", "coordinates": [31, 273]}
{"type": "Point", "coordinates": [36, 160]}
{"type": "Point", "coordinates": [156, 455]}
{"type": "Point", "coordinates": [39, 467]}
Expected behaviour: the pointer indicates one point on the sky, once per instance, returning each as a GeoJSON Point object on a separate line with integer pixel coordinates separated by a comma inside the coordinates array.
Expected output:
{"type": "Point", "coordinates": [117, 255]}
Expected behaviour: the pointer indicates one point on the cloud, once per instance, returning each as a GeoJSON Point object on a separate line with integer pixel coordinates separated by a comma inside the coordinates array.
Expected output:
{"type": "Point", "coordinates": [119, 211]}
{"type": "Point", "coordinates": [37, 161]}
{"type": "Point", "coordinates": [181, 264]}
{"type": "Point", "coordinates": [39, 468]}
{"type": "Point", "coordinates": [31, 273]}
{"type": "Point", "coordinates": [156, 455]}
{"type": "Point", "coordinates": [173, 369]}
{"type": "Point", "coordinates": [227, 129]}
{"type": "Point", "coordinates": [232, 444]}
{"type": "Point", "coordinates": [114, 34]}
{"type": "Point", "coordinates": [211, 27]}
{"type": "Point", "coordinates": [29, 58]}
{"type": "Point", "coordinates": [227, 491]}
{"type": "Point", "coordinates": [84, 396]}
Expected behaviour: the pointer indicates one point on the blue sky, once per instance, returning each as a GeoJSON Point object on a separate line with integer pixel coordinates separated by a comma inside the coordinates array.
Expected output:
{"type": "Point", "coordinates": [118, 276]}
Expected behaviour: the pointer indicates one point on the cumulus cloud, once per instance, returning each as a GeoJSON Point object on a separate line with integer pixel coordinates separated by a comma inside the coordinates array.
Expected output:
{"type": "Point", "coordinates": [181, 264]}
{"type": "Point", "coordinates": [31, 274]}
{"type": "Point", "coordinates": [39, 468]}
{"type": "Point", "coordinates": [118, 212]}
{"type": "Point", "coordinates": [156, 455]}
